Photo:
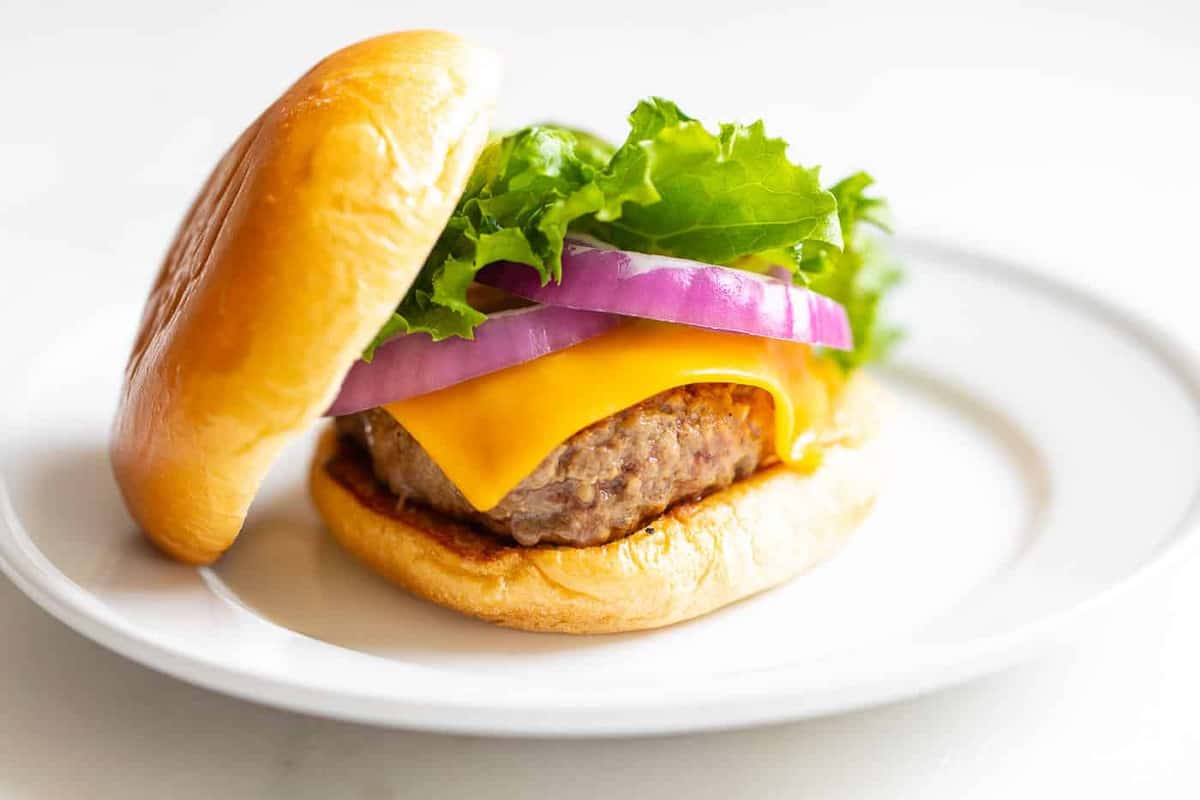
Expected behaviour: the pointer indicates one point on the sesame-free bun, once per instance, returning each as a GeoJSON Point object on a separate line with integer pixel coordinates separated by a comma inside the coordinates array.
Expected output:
{"type": "Point", "coordinates": [695, 558]}
{"type": "Point", "coordinates": [305, 237]}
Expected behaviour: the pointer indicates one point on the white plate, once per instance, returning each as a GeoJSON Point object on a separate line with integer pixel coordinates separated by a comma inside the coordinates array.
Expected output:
{"type": "Point", "coordinates": [1048, 451]}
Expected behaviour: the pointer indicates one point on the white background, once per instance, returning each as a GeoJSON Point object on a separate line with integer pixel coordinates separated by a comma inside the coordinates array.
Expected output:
{"type": "Point", "coordinates": [1065, 138]}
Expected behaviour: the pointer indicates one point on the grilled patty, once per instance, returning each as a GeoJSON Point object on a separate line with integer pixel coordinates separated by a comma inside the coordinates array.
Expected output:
{"type": "Point", "coordinates": [605, 481]}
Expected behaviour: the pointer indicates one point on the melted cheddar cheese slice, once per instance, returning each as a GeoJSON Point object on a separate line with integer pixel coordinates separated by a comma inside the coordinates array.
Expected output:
{"type": "Point", "coordinates": [490, 432]}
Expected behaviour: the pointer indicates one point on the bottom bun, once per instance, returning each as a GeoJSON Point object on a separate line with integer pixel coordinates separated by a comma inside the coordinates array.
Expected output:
{"type": "Point", "coordinates": [695, 558]}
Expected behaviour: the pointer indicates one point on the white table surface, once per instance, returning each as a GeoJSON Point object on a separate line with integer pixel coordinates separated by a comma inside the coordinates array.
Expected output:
{"type": "Point", "coordinates": [1063, 138]}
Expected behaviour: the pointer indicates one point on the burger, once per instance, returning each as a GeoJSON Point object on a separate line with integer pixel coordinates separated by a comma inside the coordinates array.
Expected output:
{"type": "Point", "coordinates": [575, 385]}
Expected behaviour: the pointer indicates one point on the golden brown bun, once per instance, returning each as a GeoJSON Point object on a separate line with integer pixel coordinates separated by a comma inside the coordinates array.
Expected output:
{"type": "Point", "coordinates": [700, 556]}
{"type": "Point", "coordinates": [306, 235]}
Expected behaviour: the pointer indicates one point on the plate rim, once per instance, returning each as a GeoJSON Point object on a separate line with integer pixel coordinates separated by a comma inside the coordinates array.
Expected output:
{"type": "Point", "coordinates": [750, 703]}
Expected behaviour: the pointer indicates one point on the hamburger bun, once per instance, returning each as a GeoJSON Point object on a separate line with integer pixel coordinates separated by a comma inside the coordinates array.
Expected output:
{"type": "Point", "coordinates": [695, 558]}
{"type": "Point", "coordinates": [301, 243]}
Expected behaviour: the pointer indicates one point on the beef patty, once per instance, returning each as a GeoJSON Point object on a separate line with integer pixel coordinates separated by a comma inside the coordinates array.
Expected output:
{"type": "Point", "coordinates": [605, 481]}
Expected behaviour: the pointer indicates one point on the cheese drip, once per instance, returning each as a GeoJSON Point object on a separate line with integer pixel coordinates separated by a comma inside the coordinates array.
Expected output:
{"type": "Point", "coordinates": [490, 432]}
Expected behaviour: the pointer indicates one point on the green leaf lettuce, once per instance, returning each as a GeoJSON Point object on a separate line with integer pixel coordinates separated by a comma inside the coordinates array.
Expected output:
{"type": "Point", "coordinates": [672, 187]}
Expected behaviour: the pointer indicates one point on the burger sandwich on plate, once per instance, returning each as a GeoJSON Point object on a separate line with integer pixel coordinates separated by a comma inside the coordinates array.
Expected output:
{"type": "Point", "coordinates": [576, 385]}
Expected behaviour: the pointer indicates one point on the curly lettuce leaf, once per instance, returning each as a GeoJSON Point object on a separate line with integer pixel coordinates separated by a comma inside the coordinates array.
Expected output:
{"type": "Point", "coordinates": [859, 274]}
{"type": "Point", "coordinates": [671, 187]}
{"type": "Point", "coordinates": [722, 196]}
{"type": "Point", "coordinates": [525, 192]}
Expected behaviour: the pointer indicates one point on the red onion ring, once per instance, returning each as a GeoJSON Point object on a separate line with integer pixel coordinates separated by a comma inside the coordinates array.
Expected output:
{"type": "Point", "coordinates": [414, 364]}
{"type": "Point", "coordinates": [680, 291]}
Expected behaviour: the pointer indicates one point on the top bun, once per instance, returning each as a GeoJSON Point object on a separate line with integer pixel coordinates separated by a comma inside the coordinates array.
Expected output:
{"type": "Point", "coordinates": [301, 243]}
